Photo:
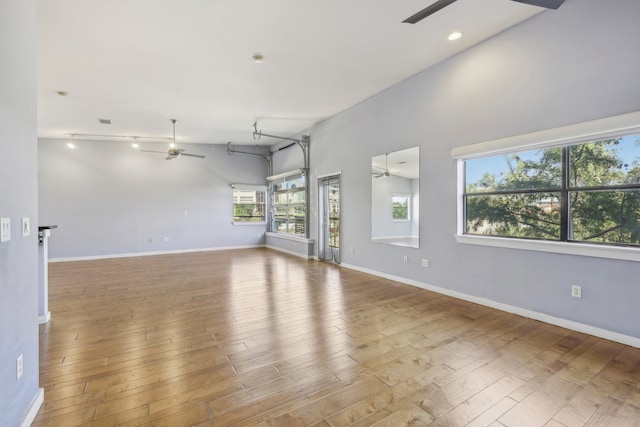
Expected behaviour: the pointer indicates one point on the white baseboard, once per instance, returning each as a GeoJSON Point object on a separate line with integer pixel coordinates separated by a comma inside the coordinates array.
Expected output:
{"type": "Point", "coordinates": [34, 407]}
{"type": "Point", "coordinates": [45, 318]}
{"type": "Point", "coordinates": [137, 254]}
{"type": "Point", "coordinates": [564, 323]}
{"type": "Point", "coordinates": [298, 254]}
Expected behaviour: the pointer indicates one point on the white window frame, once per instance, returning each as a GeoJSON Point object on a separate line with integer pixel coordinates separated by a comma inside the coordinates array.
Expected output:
{"type": "Point", "coordinates": [253, 188]}
{"type": "Point", "coordinates": [406, 196]}
{"type": "Point", "coordinates": [609, 127]}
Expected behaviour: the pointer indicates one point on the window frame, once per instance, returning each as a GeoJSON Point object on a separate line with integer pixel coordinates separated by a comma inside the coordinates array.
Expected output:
{"type": "Point", "coordinates": [610, 127]}
{"type": "Point", "coordinates": [407, 197]}
{"type": "Point", "coordinates": [290, 205]}
{"type": "Point", "coordinates": [253, 188]}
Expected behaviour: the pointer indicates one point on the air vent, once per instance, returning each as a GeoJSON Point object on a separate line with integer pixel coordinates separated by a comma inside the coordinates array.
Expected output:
{"type": "Point", "coordinates": [105, 121]}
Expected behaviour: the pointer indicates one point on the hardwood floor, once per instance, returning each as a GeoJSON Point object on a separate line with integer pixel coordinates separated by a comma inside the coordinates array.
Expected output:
{"type": "Point", "coordinates": [260, 338]}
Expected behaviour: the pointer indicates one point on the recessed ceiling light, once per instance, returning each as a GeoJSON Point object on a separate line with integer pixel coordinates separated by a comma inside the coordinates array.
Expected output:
{"type": "Point", "coordinates": [105, 121]}
{"type": "Point", "coordinates": [257, 58]}
{"type": "Point", "coordinates": [454, 36]}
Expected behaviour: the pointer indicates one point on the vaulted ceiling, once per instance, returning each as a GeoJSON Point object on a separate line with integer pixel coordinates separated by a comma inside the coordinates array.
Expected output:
{"type": "Point", "coordinates": [140, 63]}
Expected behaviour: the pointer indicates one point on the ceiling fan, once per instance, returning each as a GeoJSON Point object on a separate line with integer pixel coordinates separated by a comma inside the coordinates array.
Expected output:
{"type": "Point", "coordinates": [440, 4]}
{"type": "Point", "coordinates": [386, 168]}
{"type": "Point", "coordinates": [173, 151]}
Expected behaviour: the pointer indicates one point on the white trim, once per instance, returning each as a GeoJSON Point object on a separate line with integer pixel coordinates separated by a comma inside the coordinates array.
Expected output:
{"type": "Point", "coordinates": [249, 222]}
{"type": "Point", "coordinates": [34, 407]}
{"type": "Point", "coordinates": [569, 248]}
{"type": "Point", "coordinates": [249, 187]}
{"type": "Point", "coordinates": [289, 237]}
{"type": "Point", "coordinates": [45, 318]}
{"type": "Point", "coordinates": [328, 175]}
{"type": "Point", "coordinates": [285, 174]}
{"type": "Point", "coordinates": [460, 196]}
{"type": "Point", "coordinates": [136, 254]}
{"type": "Point", "coordinates": [586, 131]}
{"type": "Point", "coordinates": [564, 323]}
{"type": "Point", "coordinates": [298, 254]}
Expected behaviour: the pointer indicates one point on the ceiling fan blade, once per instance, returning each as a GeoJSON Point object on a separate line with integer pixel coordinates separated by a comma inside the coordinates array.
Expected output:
{"type": "Point", "coordinates": [169, 157]}
{"type": "Point", "coordinates": [430, 10]}
{"type": "Point", "coordinates": [549, 4]}
{"type": "Point", "coordinates": [151, 151]}
{"type": "Point", "coordinates": [192, 155]}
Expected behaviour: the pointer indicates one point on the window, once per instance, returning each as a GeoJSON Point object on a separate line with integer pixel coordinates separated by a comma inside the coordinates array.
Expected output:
{"type": "Point", "coordinates": [249, 204]}
{"type": "Point", "coordinates": [400, 207]}
{"type": "Point", "coordinates": [289, 203]}
{"type": "Point", "coordinates": [588, 192]}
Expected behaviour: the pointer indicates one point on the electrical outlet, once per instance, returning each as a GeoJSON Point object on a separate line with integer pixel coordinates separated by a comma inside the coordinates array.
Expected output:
{"type": "Point", "coordinates": [576, 291]}
{"type": "Point", "coordinates": [425, 263]}
{"type": "Point", "coordinates": [185, 213]}
{"type": "Point", "coordinates": [165, 239]}
{"type": "Point", "coordinates": [19, 367]}
{"type": "Point", "coordinates": [5, 229]}
{"type": "Point", "coordinates": [26, 226]}
{"type": "Point", "coordinates": [406, 259]}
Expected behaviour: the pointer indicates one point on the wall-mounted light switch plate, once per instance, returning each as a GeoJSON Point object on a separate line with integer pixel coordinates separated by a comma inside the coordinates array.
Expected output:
{"type": "Point", "coordinates": [5, 229]}
{"type": "Point", "coordinates": [19, 367]}
{"type": "Point", "coordinates": [26, 226]}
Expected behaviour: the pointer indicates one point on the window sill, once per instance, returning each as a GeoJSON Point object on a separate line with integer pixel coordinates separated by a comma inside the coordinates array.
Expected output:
{"type": "Point", "coordinates": [582, 249]}
{"type": "Point", "coordinates": [248, 223]}
{"type": "Point", "coordinates": [289, 237]}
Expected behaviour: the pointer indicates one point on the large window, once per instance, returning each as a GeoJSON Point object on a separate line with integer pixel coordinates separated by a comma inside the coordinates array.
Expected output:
{"type": "Point", "coordinates": [249, 203]}
{"type": "Point", "coordinates": [289, 203]}
{"type": "Point", "coordinates": [583, 192]}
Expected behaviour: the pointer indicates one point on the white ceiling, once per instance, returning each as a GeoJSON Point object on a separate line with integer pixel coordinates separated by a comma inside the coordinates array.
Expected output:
{"type": "Point", "coordinates": [404, 163]}
{"type": "Point", "coordinates": [143, 62]}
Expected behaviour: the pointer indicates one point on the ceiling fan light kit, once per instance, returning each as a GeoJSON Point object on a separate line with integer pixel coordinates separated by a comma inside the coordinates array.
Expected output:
{"type": "Point", "coordinates": [386, 172]}
{"type": "Point", "coordinates": [174, 152]}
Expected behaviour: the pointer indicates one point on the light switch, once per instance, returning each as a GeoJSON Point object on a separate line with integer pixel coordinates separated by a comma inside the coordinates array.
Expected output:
{"type": "Point", "coordinates": [26, 226]}
{"type": "Point", "coordinates": [5, 229]}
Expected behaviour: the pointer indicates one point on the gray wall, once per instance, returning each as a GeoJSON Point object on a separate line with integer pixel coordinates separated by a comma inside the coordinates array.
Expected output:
{"type": "Point", "coordinates": [18, 198]}
{"type": "Point", "coordinates": [561, 67]}
{"type": "Point", "coordinates": [110, 199]}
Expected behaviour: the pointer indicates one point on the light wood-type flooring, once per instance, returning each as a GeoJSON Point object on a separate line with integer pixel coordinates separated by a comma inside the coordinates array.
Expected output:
{"type": "Point", "coordinates": [260, 338]}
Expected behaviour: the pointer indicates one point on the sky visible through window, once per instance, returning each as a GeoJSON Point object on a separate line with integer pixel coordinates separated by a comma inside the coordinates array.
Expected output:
{"type": "Point", "coordinates": [628, 151]}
